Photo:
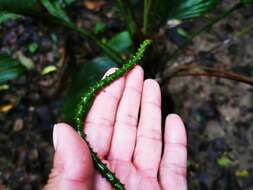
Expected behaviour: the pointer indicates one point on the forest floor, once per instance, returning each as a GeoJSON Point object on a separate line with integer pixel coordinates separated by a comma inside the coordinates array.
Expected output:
{"type": "Point", "coordinates": [218, 112]}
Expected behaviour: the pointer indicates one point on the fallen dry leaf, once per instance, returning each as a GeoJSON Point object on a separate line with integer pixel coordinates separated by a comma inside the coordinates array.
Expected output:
{"type": "Point", "coordinates": [6, 108]}
{"type": "Point", "coordinates": [18, 125]}
{"type": "Point", "coordinates": [94, 5]}
{"type": "Point", "coordinates": [242, 173]}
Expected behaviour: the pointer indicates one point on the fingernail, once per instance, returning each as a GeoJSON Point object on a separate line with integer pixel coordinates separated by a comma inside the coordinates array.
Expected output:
{"type": "Point", "coordinates": [110, 71]}
{"type": "Point", "coordinates": [55, 135]}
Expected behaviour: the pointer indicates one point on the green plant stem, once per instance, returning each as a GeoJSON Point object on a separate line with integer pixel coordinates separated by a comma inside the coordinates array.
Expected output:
{"type": "Point", "coordinates": [147, 4]}
{"type": "Point", "coordinates": [86, 34]}
{"type": "Point", "coordinates": [205, 28]}
{"type": "Point", "coordinates": [106, 49]}
{"type": "Point", "coordinates": [128, 17]}
{"type": "Point", "coordinates": [87, 101]}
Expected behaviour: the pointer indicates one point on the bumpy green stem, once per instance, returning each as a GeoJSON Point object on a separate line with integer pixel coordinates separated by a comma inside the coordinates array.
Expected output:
{"type": "Point", "coordinates": [86, 103]}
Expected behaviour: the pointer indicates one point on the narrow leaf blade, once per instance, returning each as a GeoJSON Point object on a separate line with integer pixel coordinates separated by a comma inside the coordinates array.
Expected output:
{"type": "Point", "coordinates": [7, 16]}
{"type": "Point", "coordinates": [9, 68]}
{"type": "Point", "coordinates": [55, 9]}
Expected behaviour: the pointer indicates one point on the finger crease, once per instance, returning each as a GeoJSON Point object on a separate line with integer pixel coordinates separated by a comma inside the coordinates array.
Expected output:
{"type": "Point", "coordinates": [175, 144]}
{"type": "Point", "coordinates": [158, 105]}
{"type": "Point", "coordinates": [175, 168]}
{"type": "Point", "coordinates": [149, 172]}
{"type": "Point", "coordinates": [98, 124]}
{"type": "Point", "coordinates": [117, 98]}
{"type": "Point", "coordinates": [151, 133]}
{"type": "Point", "coordinates": [153, 138]}
{"type": "Point", "coordinates": [124, 123]}
{"type": "Point", "coordinates": [132, 88]}
{"type": "Point", "coordinates": [80, 180]}
{"type": "Point", "coordinates": [101, 121]}
{"type": "Point", "coordinates": [115, 160]}
{"type": "Point", "coordinates": [129, 119]}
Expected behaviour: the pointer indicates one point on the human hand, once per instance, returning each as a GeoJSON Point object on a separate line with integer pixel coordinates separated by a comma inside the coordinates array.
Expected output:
{"type": "Point", "coordinates": [131, 147]}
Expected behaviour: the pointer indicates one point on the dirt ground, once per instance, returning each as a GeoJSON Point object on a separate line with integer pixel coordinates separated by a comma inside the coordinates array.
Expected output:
{"type": "Point", "coordinates": [218, 113]}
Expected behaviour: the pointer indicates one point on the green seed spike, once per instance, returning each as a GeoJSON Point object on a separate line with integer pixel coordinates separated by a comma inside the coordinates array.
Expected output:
{"type": "Point", "coordinates": [87, 101]}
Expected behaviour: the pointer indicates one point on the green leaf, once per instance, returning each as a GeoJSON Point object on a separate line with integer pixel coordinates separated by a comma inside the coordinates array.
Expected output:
{"type": "Point", "coordinates": [68, 2]}
{"type": "Point", "coordinates": [99, 27]}
{"type": "Point", "coordinates": [181, 9]}
{"type": "Point", "coordinates": [224, 161]}
{"type": "Point", "coordinates": [7, 16]}
{"type": "Point", "coordinates": [182, 32]}
{"type": "Point", "coordinates": [33, 47]}
{"type": "Point", "coordinates": [121, 42]}
{"type": "Point", "coordinates": [192, 8]}
{"type": "Point", "coordinates": [55, 9]}
{"type": "Point", "coordinates": [88, 74]}
{"type": "Point", "coordinates": [9, 68]}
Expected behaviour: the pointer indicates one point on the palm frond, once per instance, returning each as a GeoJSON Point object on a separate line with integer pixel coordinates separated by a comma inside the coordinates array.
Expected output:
{"type": "Point", "coordinates": [181, 9]}
{"type": "Point", "coordinates": [185, 9]}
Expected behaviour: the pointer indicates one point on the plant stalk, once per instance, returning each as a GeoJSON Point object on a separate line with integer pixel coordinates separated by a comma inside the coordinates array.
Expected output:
{"type": "Point", "coordinates": [196, 70]}
{"type": "Point", "coordinates": [106, 49]}
{"type": "Point", "coordinates": [147, 4]}
{"type": "Point", "coordinates": [220, 74]}
{"type": "Point", "coordinates": [128, 17]}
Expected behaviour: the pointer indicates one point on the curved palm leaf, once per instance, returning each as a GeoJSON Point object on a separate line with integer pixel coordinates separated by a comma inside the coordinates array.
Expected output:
{"type": "Point", "coordinates": [186, 9]}
{"type": "Point", "coordinates": [181, 9]}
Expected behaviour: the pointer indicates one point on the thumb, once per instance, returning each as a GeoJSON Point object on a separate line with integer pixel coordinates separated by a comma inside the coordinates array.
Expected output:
{"type": "Point", "coordinates": [72, 167]}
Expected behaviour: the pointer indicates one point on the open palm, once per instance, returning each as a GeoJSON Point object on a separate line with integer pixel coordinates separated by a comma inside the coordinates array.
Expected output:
{"type": "Point", "coordinates": [130, 143]}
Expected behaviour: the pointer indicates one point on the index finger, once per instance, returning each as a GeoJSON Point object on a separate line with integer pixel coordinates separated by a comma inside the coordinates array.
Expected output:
{"type": "Point", "coordinates": [101, 117]}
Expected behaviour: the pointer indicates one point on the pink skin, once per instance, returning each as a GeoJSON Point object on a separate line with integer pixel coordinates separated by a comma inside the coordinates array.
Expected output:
{"type": "Point", "coordinates": [132, 148]}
